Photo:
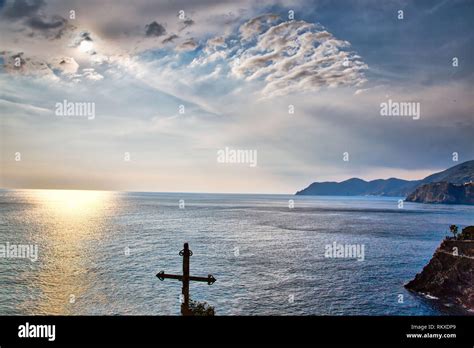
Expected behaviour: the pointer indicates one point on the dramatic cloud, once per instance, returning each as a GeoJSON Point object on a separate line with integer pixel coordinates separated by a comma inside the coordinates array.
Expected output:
{"type": "Point", "coordinates": [288, 57]}
{"type": "Point", "coordinates": [297, 56]}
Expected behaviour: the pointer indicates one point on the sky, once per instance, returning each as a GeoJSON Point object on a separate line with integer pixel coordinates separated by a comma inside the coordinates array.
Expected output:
{"type": "Point", "coordinates": [172, 83]}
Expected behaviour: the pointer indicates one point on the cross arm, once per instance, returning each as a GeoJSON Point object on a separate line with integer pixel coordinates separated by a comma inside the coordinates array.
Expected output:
{"type": "Point", "coordinates": [162, 276]}
{"type": "Point", "coordinates": [209, 279]}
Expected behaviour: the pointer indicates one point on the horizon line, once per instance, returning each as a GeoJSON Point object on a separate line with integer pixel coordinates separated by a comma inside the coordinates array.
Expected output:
{"type": "Point", "coordinates": [236, 193]}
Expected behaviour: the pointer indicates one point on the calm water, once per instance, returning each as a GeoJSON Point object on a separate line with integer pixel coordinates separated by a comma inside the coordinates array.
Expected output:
{"type": "Point", "coordinates": [262, 253]}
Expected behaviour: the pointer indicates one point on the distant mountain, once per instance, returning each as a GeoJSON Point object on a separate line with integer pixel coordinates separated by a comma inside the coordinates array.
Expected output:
{"type": "Point", "coordinates": [443, 192]}
{"type": "Point", "coordinates": [359, 187]}
{"type": "Point", "coordinates": [458, 174]}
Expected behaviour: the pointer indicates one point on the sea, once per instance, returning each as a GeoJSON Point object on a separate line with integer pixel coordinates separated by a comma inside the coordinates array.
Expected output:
{"type": "Point", "coordinates": [98, 253]}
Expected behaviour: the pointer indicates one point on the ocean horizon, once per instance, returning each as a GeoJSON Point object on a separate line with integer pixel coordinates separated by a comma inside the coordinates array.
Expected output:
{"type": "Point", "coordinates": [98, 252]}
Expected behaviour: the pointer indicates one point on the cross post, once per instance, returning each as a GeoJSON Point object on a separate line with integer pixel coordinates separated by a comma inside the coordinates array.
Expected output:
{"type": "Point", "coordinates": [185, 290]}
{"type": "Point", "coordinates": [186, 253]}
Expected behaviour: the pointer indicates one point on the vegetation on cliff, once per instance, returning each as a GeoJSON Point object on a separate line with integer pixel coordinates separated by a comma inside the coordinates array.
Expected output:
{"type": "Point", "coordinates": [449, 276]}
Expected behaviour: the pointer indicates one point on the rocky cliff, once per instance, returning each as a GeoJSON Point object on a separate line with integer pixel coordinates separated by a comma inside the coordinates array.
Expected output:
{"type": "Point", "coordinates": [443, 192]}
{"type": "Point", "coordinates": [449, 275]}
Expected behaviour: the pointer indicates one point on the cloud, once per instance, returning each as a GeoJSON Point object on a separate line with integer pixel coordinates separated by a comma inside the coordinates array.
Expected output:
{"type": "Point", "coordinates": [218, 41]}
{"type": "Point", "coordinates": [286, 56]}
{"type": "Point", "coordinates": [188, 45]}
{"type": "Point", "coordinates": [187, 23]}
{"type": "Point", "coordinates": [213, 50]}
{"type": "Point", "coordinates": [154, 29]}
{"type": "Point", "coordinates": [255, 25]}
{"type": "Point", "coordinates": [54, 69]}
{"type": "Point", "coordinates": [295, 56]}
{"type": "Point", "coordinates": [90, 74]}
{"type": "Point", "coordinates": [40, 23]}
{"type": "Point", "coordinates": [66, 65]}
{"type": "Point", "coordinates": [170, 38]}
{"type": "Point", "coordinates": [22, 8]}
{"type": "Point", "coordinates": [85, 36]}
{"type": "Point", "coordinates": [30, 13]}
{"type": "Point", "coordinates": [84, 42]}
{"type": "Point", "coordinates": [27, 65]}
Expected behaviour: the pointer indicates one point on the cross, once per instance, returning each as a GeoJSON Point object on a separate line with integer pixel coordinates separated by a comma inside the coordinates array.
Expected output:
{"type": "Point", "coordinates": [185, 278]}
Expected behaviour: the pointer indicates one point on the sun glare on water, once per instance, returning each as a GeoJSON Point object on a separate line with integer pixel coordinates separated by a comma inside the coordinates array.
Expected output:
{"type": "Point", "coordinates": [73, 202]}
{"type": "Point", "coordinates": [68, 224]}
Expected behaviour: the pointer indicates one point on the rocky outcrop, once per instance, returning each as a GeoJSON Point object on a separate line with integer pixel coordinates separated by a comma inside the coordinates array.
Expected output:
{"type": "Point", "coordinates": [449, 276]}
{"type": "Point", "coordinates": [443, 192]}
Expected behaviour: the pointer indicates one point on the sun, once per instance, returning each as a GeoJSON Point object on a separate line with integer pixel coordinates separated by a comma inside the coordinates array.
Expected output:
{"type": "Point", "coordinates": [86, 46]}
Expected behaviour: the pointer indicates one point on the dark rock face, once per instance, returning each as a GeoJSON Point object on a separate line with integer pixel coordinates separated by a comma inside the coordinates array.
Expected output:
{"type": "Point", "coordinates": [449, 275]}
{"type": "Point", "coordinates": [467, 233]}
{"type": "Point", "coordinates": [443, 192]}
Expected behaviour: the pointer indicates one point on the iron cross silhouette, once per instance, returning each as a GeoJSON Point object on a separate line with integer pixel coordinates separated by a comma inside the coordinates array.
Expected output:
{"type": "Point", "coordinates": [185, 278]}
